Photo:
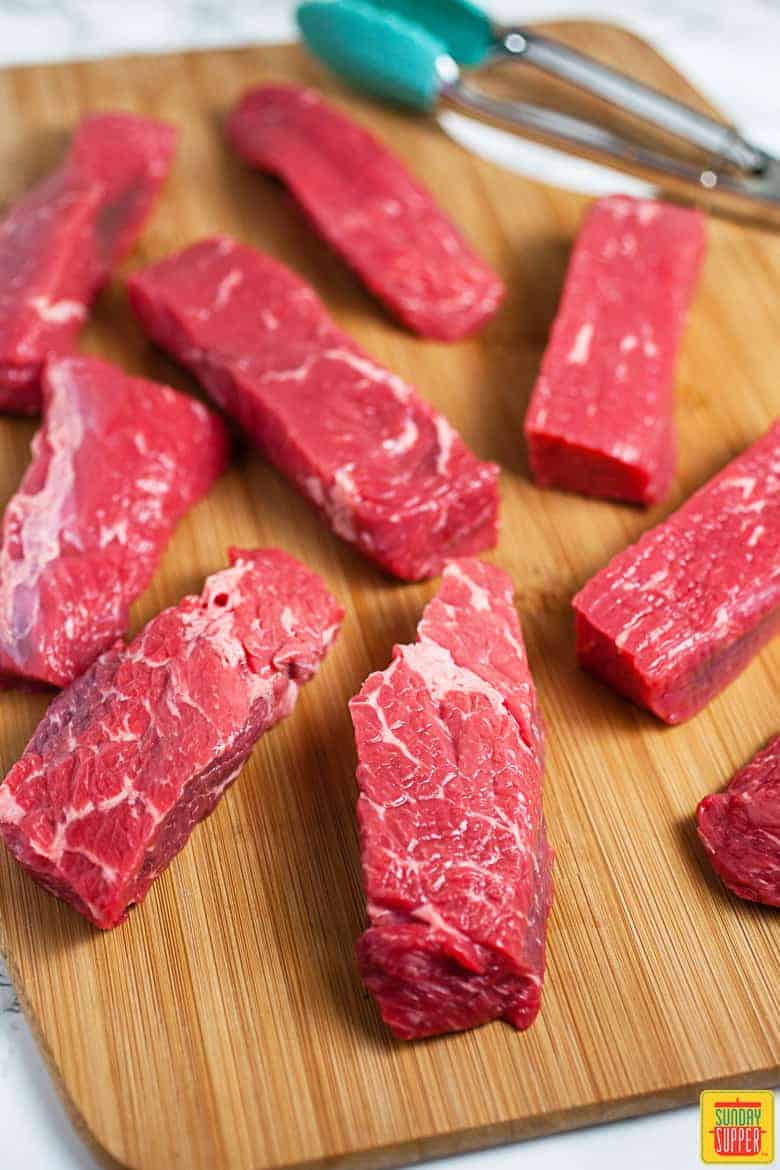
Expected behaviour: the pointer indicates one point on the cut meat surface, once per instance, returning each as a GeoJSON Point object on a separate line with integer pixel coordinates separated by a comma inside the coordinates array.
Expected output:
{"type": "Point", "coordinates": [456, 864]}
{"type": "Point", "coordinates": [674, 618]}
{"type": "Point", "coordinates": [115, 465]}
{"type": "Point", "coordinates": [386, 471]}
{"type": "Point", "coordinates": [45, 269]}
{"type": "Point", "coordinates": [365, 204]}
{"type": "Point", "coordinates": [60, 241]}
{"type": "Point", "coordinates": [601, 417]}
{"type": "Point", "coordinates": [129, 157]}
{"type": "Point", "coordinates": [132, 755]}
{"type": "Point", "coordinates": [740, 829]}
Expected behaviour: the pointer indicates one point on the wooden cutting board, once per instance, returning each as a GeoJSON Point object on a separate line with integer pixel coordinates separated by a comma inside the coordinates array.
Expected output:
{"type": "Point", "coordinates": [224, 1025]}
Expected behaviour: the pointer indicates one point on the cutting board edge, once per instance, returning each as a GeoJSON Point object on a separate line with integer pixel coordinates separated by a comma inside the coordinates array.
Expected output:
{"type": "Point", "coordinates": [393, 1157]}
{"type": "Point", "coordinates": [433, 1145]}
{"type": "Point", "coordinates": [74, 1114]}
{"type": "Point", "coordinates": [456, 1142]}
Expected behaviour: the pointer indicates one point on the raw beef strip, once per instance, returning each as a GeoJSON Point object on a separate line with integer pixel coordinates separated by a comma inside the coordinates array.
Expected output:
{"type": "Point", "coordinates": [740, 829]}
{"type": "Point", "coordinates": [45, 264]}
{"type": "Point", "coordinates": [116, 463]}
{"type": "Point", "coordinates": [457, 868]}
{"type": "Point", "coordinates": [388, 473]}
{"type": "Point", "coordinates": [139, 749]}
{"type": "Point", "coordinates": [129, 157]}
{"type": "Point", "coordinates": [59, 243]}
{"type": "Point", "coordinates": [367, 206]}
{"type": "Point", "coordinates": [674, 618]}
{"type": "Point", "coordinates": [601, 418]}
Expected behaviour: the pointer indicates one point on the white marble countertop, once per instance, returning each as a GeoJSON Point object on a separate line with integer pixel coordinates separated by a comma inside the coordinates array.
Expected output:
{"type": "Point", "coordinates": [730, 51]}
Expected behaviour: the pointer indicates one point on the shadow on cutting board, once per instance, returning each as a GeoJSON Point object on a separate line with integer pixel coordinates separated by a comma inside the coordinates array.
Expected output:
{"type": "Point", "coordinates": [510, 348]}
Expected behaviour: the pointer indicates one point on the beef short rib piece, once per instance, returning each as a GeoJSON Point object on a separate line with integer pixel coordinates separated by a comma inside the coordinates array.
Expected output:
{"type": "Point", "coordinates": [601, 418]}
{"type": "Point", "coordinates": [115, 465]}
{"type": "Point", "coordinates": [387, 472]}
{"type": "Point", "coordinates": [456, 864]}
{"type": "Point", "coordinates": [133, 754]}
{"type": "Point", "coordinates": [60, 241]}
{"type": "Point", "coordinates": [365, 204]}
{"type": "Point", "coordinates": [677, 616]}
{"type": "Point", "coordinates": [740, 829]}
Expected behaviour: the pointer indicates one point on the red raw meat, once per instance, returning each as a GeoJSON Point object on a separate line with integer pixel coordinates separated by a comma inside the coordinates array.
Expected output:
{"type": "Point", "coordinates": [45, 266]}
{"type": "Point", "coordinates": [116, 463]}
{"type": "Point", "coordinates": [367, 206]}
{"type": "Point", "coordinates": [129, 157]}
{"type": "Point", "coordinates": [740, 829]}
{"type": "Point", "coordinates": [674, 618]}
{"type": "Point", "coordinates": [139, 749]}
{"type": "Point", "coordinates": [457, 868]}
{"type": "Point", "coordinates": [387, 472]}
{"type": "Point", "coordinates": [60, 241]}
{"type": "Point", "coordinates": [601, 418]}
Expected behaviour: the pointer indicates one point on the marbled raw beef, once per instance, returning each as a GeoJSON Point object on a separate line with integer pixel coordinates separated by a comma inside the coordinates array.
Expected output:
{"type": "Point", "coordinates": [601, 417]}
{"type": "Point", "coordinates": [740, 829]}
{"type": "Point", "coordinates": [133, 754]}
{"type": "Point", "coordinates": [366, 205]}
{"type": "Point", "coordinates": [59, 243]}
{"type": "Point", "coordinates": [385, 469]}
{"type": "Point", "coordinates": [674, 618]}
{"type": "Point", "coordinates": [115, 465]}
{"type": "Point", "coordinates": [456, 864]}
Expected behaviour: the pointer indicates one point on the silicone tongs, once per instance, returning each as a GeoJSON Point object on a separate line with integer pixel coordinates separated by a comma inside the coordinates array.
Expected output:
{"type": "Point", "coordinates": [410, 52]}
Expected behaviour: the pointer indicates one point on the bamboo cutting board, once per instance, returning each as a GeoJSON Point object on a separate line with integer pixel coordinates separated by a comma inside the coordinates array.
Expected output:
{"type": "Point", "coordinates": [224, 1025]}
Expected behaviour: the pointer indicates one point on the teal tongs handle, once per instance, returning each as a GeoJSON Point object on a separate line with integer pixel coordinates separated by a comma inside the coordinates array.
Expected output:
{"type": "Point", "coordinates": [379, 52]}
{"type": "Point", "coordinates": [411, 63]}
{"type": "Point", "coordinates": [462, 27]}
{"type": "Point", "coordinates": [405, 50]}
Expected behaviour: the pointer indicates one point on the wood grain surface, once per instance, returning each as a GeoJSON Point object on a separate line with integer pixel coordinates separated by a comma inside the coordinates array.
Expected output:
{"type": "Point", "coordinates": [224, 1026]}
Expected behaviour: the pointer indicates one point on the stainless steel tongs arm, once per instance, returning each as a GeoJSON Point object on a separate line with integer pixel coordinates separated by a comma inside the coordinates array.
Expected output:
{"type": "Point", "coordinates": [722, 143]}
{"type": "Point", "coordinates": [755, 186]}
{"type": "Point", "coordinates": [566, 128]}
